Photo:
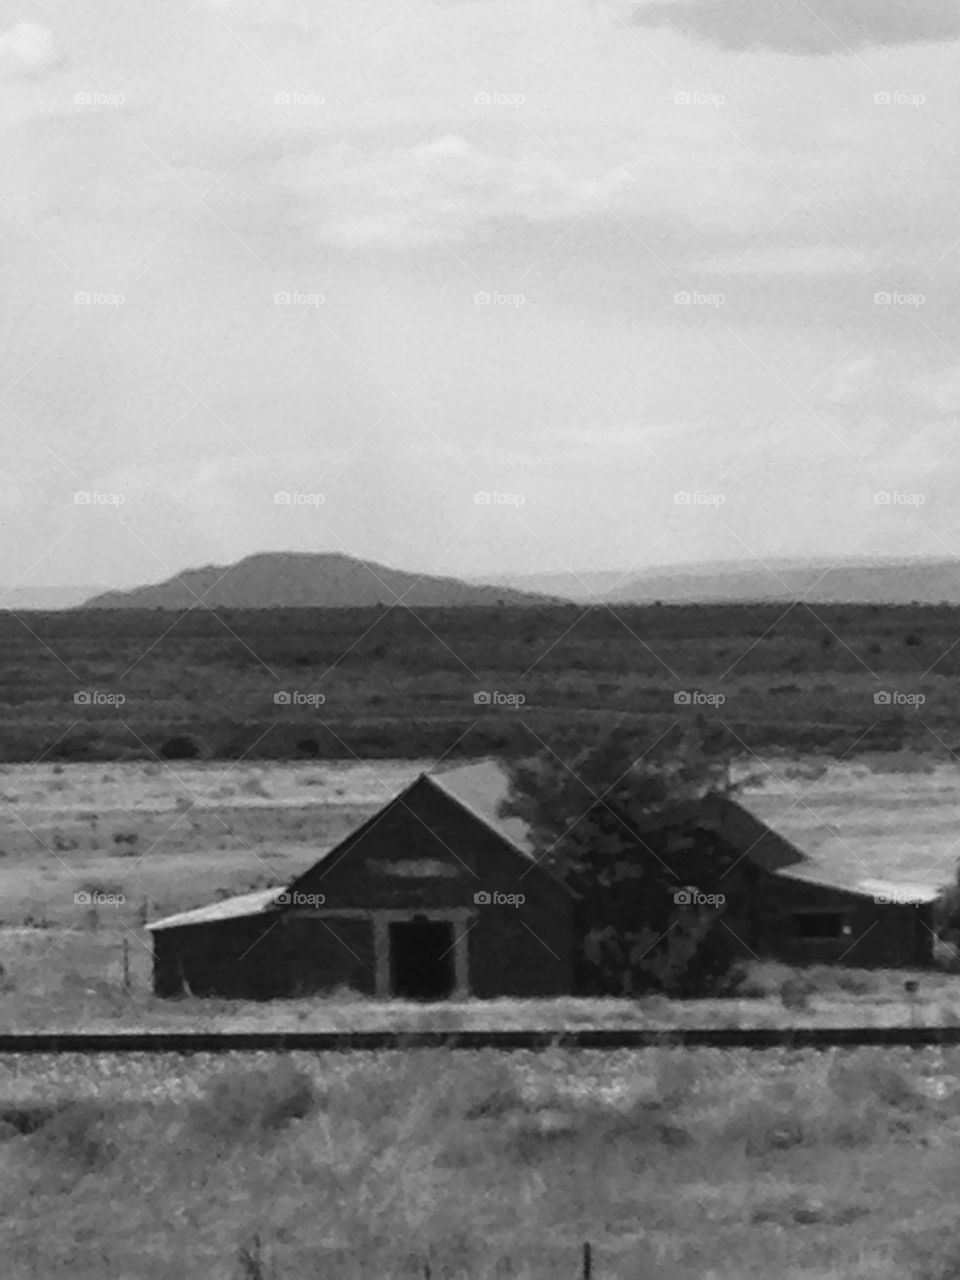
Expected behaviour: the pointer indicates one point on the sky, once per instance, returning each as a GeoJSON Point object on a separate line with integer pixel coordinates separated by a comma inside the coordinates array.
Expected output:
{"type": "Point", "coordinates": [476, 286]}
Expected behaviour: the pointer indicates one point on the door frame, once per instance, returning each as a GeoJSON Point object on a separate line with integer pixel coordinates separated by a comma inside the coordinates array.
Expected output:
{"type": "Point", "coordinates": [380, 919]}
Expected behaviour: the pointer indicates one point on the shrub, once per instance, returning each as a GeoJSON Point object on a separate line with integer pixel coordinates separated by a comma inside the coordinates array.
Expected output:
{"type": "Point", "coordinates": [77, 1132]}
{"type": "Point", "coordinates": [795, 992]}
{"type": "Point", "coordinates": [180, 748]}
{"type": "Point", "coordinates": [871, 1082]}
{"type": "Point", "coordinates": [254, 1103]}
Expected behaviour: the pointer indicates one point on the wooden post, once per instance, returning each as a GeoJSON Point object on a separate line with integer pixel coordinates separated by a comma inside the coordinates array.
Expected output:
{"type": "Point", "coordinates": [587, 1261]}
{"type": "Point", "coordinates": [126, 963]}
{"type": "Point", "coordinates": [911, 987]}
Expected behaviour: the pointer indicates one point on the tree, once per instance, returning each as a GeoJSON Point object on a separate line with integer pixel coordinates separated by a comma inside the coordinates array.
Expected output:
{"type": "Point", "coordinates": [630, 833]}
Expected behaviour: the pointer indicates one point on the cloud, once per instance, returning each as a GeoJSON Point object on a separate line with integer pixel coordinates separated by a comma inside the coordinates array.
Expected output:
{"type": "Point", "coordinates": [265, 12]}
{"type": "Point", "coordinates": [806, 27]}
{"type": "Point", "coordinates": [445, 188]}
{"type": "Point", "coordinates": [940, 390]}
{"type": "Point", "coordinates": [26, 49]}
{"type": "Point", "coordinates": [788, 260]}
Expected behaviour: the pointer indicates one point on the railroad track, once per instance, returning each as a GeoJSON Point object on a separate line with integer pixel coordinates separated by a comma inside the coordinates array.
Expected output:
{"type": "Point", "coordinates": [186, 1042]}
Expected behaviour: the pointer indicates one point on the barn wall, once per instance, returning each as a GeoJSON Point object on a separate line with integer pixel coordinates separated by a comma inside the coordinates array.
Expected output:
{"type": "Point", "coordinates": [321, 956]}
{"type": "Point", "coordinates": [882, 934]}
{"type": "Point", "coordinates": [237, 958]}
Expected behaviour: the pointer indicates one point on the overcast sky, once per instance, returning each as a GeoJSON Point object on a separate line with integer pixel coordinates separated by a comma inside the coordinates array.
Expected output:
{"type": "Point", "coordinates": [583, 164]}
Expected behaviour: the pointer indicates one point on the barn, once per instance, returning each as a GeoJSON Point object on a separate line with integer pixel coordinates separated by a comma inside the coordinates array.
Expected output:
{"type": "Point", "coordinates": [436, 896]}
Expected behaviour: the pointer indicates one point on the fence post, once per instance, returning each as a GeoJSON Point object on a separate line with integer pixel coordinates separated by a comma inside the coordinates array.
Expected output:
{"type": "Point", "coordinates": [587, 1261]}
{"type": "Point", "coordinates": [126, 963]}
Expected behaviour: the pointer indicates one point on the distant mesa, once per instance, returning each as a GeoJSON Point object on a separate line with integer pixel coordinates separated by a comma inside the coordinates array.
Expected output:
{"type": "Point", "coordinates": [289, 580]}
{"type": "Point", "coordinates": [881, 582]}
{"type": "Point", "coordinates": [292, 580]}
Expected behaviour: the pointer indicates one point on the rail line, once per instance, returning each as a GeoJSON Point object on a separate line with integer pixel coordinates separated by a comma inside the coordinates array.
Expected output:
{"type": "Point", "coordinates": [183, 1042]}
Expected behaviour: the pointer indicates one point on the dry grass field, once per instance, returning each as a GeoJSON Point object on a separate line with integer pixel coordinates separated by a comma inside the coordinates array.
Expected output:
{"type": "Point", "coordinates": [686, 1165]}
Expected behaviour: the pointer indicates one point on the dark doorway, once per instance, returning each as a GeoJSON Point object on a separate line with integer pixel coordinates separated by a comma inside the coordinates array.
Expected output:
{"type": "Point", "coordinates": [421, 959]}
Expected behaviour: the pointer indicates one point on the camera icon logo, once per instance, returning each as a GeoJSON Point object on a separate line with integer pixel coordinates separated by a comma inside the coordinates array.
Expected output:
{"type": "Point", "coordinates": [482, 299]}
{"type": "Point", "coordinates": [683, 98]}
{"type": "Point", "coordinates": [482, 99]}
{"type": "Point", "coordinates": [481, 698]}
{"type": "Point", "coordinates": [82, 898]}
{"type": "Point", "coordinates": [682, 698]}
{"type": "Point", "coordinates": [683, 298]}
{"type": "Point", "coordinates": [882, 299]}
{"type": "Point", "coordinates": [883, 99]}
{"type": "Point", "coordinates": [281, 299]}
{"type": "Point", "coordinates": [283, 899]}
{"type": "Point", "coordinates": [82, 698]}
{"type": "Point", "coordinates": [684, 897]}
{"type": "Point", "coordinates": [482, 898]}
{"type": "Point", "coordinates": [882, 698]}
{"type": "Point", "coordinates": [281, 698]}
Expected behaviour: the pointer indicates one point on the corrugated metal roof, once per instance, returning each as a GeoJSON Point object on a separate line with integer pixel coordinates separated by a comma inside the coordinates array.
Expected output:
{"type": "Point", "coordinates": [900, 891]}
{"type": "Point", "coordinates": [244, 904]}
{"type": "Point", "coordinates": [870, 839]}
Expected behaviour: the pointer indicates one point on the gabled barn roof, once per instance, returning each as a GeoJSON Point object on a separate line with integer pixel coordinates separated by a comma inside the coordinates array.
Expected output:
{"type": "Point", "coordinates": [481, 788]}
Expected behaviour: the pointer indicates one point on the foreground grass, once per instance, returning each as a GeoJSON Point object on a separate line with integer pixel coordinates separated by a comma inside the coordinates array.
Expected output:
{"type": "Point", "coordinates": [672, 1164]}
